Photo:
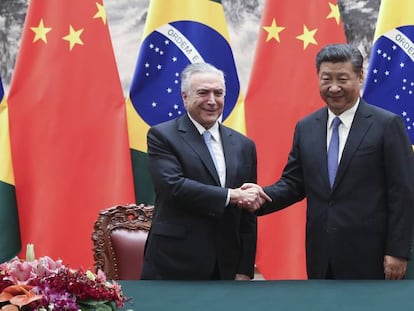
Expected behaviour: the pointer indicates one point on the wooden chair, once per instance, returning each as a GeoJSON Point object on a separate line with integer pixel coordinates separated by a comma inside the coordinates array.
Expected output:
{"type": "Point", "coordinates": [119, 237]}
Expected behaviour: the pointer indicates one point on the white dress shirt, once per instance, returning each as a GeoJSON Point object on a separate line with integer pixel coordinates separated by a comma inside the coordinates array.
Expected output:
{"type": "Point", "coordinates": [217, 147]}
{"type": "Point", "coordinates": [343, 130]}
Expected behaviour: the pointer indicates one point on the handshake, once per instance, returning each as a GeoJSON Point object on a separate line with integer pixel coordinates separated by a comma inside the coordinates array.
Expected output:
{"type": "Point", "coordinates": [249, 196]}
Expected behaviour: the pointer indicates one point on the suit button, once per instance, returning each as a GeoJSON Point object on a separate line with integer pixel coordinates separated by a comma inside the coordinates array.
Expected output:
{"type": "Point", "coordinates": [330, 203]}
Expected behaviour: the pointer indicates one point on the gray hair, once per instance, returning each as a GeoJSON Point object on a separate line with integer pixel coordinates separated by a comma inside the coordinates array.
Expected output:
{"type": "Point", "coordinates": [198, 68]}
{"type": "Point", "coordinates": [336, 53]}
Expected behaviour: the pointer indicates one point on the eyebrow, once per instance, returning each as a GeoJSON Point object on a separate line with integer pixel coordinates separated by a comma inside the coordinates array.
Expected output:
{"type": "Point", "coordinates": [212, 89]}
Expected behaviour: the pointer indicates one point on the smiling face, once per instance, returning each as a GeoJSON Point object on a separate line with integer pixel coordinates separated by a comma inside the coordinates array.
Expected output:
{"type": "Point", "coordinates": [339, 85]}
{"type": "Point", "coordinates": [205, 99]}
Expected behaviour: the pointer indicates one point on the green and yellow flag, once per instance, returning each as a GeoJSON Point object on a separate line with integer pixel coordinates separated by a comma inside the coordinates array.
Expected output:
{"type": "Point", "coordinates": [390, 76]}
{"type": "Point", "coordinates": [9, 219]}
{"type": "Point", "coordinates": [176, 33]}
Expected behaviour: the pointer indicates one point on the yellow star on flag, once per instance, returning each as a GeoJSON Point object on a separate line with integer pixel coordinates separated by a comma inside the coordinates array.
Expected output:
{"type": "Point", "coordinates": [101, 12]}
{"type": "Point", "coordinates": [334, 12]}
{"type": "Point", "coordinates": [273, 31]}
{"type": "Point", "coordinates": [307, 36]}
{"type": "Point", "coordinates": [40, 32]}
{"type": "Point", "coordinates": [73, 37]}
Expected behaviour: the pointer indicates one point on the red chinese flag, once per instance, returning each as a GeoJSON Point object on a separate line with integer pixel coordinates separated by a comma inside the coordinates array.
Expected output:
{"type": "Point", "coordinates": [68, 128]}
{"type": "Point", "coordinates": [284, 88]}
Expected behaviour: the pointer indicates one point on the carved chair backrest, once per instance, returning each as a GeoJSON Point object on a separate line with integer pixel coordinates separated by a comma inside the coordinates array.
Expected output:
{"type": "Point", "coordinates": [119, 237]}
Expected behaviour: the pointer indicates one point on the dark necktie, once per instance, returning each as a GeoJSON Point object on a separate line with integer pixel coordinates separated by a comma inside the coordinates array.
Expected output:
{"type": "Point", "coordinates": [333, 151]}
{"type": "Point", "coordinates": [207, 140]}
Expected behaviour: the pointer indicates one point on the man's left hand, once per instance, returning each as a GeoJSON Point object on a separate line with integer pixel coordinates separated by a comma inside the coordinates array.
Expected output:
{"type": "Point", "coordinates": [242, 277]}
{"type": "Point", "coordinates": [394, 267]}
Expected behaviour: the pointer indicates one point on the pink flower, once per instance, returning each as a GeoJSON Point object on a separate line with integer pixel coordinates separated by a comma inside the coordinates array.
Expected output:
{"type": "Point", "coordinates": [100, 276]}
{"type": "Point", "coordinates": [45, 266]}
{"type": "Point", "coordinates": [20, 272]}
{"type": "Point", "coordinates": [119, 296]}
{"type": "Point", "coordinates": [43, 282]}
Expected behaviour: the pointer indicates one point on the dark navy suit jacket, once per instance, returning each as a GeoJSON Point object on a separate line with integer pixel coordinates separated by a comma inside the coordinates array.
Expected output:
{"type": "Point", "coordinates": [193, 232]}
{"type": "Point", "coordinates": [369, 212]}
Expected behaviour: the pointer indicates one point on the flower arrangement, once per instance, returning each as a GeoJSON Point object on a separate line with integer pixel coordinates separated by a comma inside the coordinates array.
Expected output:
{"type": "Point", "coordinates": [45, 284]}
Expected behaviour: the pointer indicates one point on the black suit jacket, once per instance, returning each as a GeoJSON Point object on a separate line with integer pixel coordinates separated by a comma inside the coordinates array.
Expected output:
{"type": "Point", "coordinates": [192, 230]}
{"type": "Point", "coordinates": [369, 212]}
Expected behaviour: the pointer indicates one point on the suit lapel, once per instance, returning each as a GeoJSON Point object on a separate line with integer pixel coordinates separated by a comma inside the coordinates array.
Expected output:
{"type": "Point", "coordinates": [319, 144]}
{"type": "Point", "coordinates": [193, 138]}
{"type": "Point", "coordinates": [230, 154]}
{"type": "Point", "coordinates": [360, 125]}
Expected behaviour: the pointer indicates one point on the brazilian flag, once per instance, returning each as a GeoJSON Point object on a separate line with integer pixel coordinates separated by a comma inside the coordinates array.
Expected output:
{"type": "Point", "coordinates": [176, 33]}
{"type": "Point", "coordinates": [390, 75]}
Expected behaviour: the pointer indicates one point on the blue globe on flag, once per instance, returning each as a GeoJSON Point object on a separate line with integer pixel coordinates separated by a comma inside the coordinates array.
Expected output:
{"type": "Point", "coordinates": [390, 78]}
{"type": "Point", "coordinates": [156, 89]}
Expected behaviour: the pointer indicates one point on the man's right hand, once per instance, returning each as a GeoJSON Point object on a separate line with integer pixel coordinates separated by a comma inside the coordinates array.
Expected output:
{"type": "Point", "coordinates": [249, 196]}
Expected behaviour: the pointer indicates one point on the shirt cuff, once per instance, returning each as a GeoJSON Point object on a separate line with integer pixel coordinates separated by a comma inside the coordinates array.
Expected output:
{"type": "Point", "coordinates": [228, 197]}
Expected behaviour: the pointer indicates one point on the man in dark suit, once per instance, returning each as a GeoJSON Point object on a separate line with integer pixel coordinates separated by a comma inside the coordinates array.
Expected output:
{"type": "Point", "coordinates": [198, 232]}
{"type": "Point", "coordinates": [360, 227]}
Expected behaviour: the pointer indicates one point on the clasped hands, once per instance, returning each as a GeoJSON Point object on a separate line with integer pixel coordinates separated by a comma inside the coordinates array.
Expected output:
{"type": "Point", "coordinates": [249, 196]}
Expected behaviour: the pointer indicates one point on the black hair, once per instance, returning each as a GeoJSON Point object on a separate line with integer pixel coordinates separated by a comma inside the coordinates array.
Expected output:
{"type": "Point", "coordinates": [335, 53]}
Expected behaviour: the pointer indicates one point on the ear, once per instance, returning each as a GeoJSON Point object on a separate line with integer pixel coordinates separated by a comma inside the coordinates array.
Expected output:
{"type": "Point", "coordinates": [184, 96]}
{"type": "Point", "coordinates": [361, 77]}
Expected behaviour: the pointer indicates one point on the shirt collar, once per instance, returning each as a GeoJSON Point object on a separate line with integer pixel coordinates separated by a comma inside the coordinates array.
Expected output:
{"type": "Point", "coordinates": [346, 117]}
{"type": "Point", "coordinates": [214, 130]}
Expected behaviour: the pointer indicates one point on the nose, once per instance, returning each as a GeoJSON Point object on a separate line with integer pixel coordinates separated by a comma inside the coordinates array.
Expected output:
{"type": "Point", "coordinates": [210, 98]}
{"type": "Point", "coordinates": [334, 88]}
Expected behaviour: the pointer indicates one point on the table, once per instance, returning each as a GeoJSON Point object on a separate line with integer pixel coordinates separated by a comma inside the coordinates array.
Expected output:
{"type": "Point", "coordinates": [303, 295]}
